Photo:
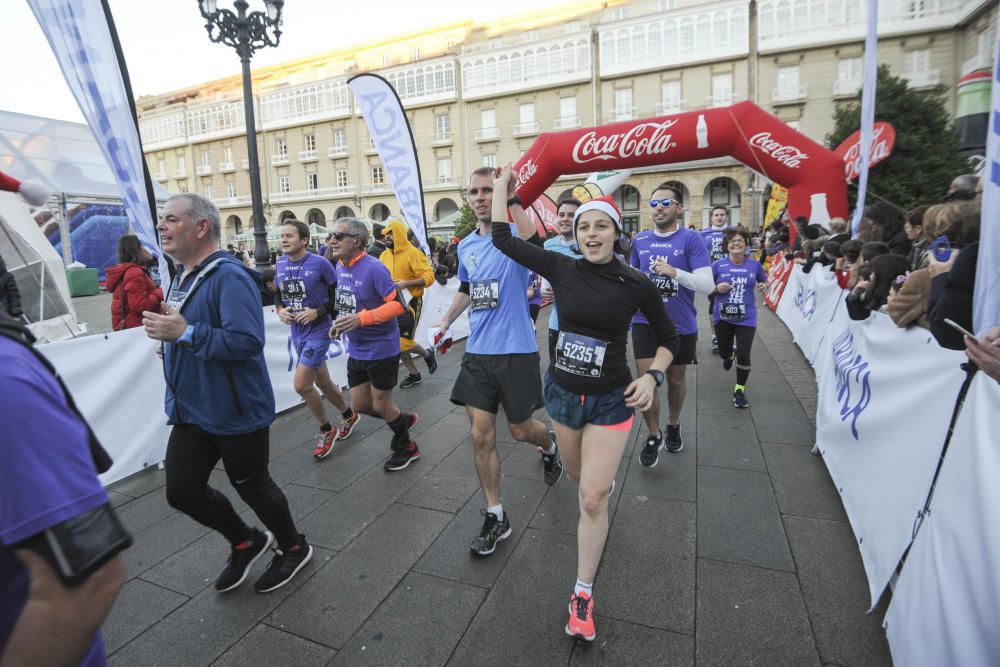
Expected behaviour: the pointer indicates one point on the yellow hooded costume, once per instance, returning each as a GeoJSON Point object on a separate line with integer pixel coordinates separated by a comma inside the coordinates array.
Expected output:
{"type": "Point", "coordinates": [405, 262]}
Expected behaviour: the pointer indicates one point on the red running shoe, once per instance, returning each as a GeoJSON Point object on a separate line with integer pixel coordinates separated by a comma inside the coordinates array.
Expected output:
{"type": "Point", "coordinates": [581, 617]}
{"type": "Point", "coordinates": [324, 443]}
{"type": "Point", "coordinates": [346, 426]}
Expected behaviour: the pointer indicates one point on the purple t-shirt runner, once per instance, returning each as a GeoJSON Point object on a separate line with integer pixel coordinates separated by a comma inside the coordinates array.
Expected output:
{"type": "Point", "coordinates": [306, 284]}
{"type": "Point", "coordinates": [365, 285]}
{"type": "Point", "coordinates": [739, 304]}
{"type": "Point", "coordinates": [685, 250]}
{"type": "Point", "coordinates": [713, 242]}
{"type": "Point", "coordinates": [47, 474]}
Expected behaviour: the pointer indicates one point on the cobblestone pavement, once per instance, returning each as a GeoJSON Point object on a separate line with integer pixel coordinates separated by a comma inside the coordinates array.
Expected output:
{"type": "Point", "coordinates": [735, 551]}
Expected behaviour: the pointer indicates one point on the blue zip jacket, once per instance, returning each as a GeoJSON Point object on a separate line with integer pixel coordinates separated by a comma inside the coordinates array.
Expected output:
{"type": "Point", "coordinates": [220, 382]}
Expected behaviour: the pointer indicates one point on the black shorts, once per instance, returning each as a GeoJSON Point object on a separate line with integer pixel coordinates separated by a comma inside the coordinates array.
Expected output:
{"type": "Point", "coordinates": [553, 339]}
{"type": "Point", "coordinates": [408, 320]}
{"type": "Point", "coordinates": [382, 373]}
{"type": "Point", "coordinates": [711, 303]}
{"type": "Point", "coordinates": [533, 309]}
{"type": "Point", "coordinates": [488, 381]}
{"type": "Point", "coordinates": [644, 345]}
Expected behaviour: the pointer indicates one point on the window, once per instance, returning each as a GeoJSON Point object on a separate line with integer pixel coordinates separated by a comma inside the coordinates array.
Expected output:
{"type": "Point", "coordinates": [207, 191]}
{"type": "Point", "coordinates": [182, 187]}
{"type": "Point", "coordinates": [283, 184]}
{"type": "Point", "coordinates": [282, 147]}
{"type": "Point", "coordinates": [385, 60]}
{"type": "Point", "coordinates": [227, 154]}
{"type": "Point", "coordinates": [378, 176]}
{"type": "Point", "coordinates": [983, 43]}
{"type": "Point", "coordinates": [442, 126]}
{"type": "Point", "coordinates": [205, 159]}
{"type": "Point", "coordinates": [490, 161]}
{"type": "Point", "coordinates": [181, 166]}
{"type": "Point", "coordinates": [444, 168]}
{"type": "Point", "coordinates": [488, 118]}
{"type": "Point", "coordinates": [529, 36]}
{"type": "Point", "coordinates": [623, 104]}
{"type": "Point", "coordinates": [161, 166]}
{"type": "Point", "coordinates": [231, 190]}
{"type": "Point", "coordinates": [415, 53]}
{"type": "Point", "coordinates": [918, 60]}
{"type": "Point", "coordinates": [309, 142]}
{"type": "Point", "coordinates": [450, 44]}
{"type": "Point", "coordinates": [527, 112]}
{"type": "Point", "coordinates": [666, 5]}
{"type": "Point", "coordinates": [849, 69]}
{"type": "Point", "coordinates": [671, 96]}
{"type": "Point", "coordinates": [312, 181]}
{"type": "Point", "coordinates": [496, 43]}
{"type": "Point", "coordinates": [619, 14]}
{"type": "Point", "coordinates": [788, 78]}
{"type": "Point", "coordinates": [722, 89]}
{"type": "Point", "coordinates": [339, 139]}
{"type": "Point", "coordinates": [567, 107]}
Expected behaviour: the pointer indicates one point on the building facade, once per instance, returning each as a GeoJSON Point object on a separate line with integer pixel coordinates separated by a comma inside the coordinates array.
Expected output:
{"type": "Point", "coordinates": [480, 94]}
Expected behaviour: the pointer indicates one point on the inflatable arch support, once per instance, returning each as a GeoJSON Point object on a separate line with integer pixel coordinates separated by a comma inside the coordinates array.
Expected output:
{"type": "Point", "coordinates": [813, 174]}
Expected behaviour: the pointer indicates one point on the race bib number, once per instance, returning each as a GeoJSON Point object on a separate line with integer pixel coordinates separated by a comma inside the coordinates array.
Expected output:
{"type": "Point", "coordinates": [176, 299]}
{"type": "Point", "coordinates": [666, 285]}
{"type": "Point", "coordinates": [580, 355]}
{"type": "Point", "coordinates": [347, 302]}
{"type": "Point", "coordinates": [733, 311]}
{"type": "Point", "coordinates": [293, 292]}
{"type": "Point", "coordinates": [717, 251]}
{"type": "Point", "coordinates": [485, 294]}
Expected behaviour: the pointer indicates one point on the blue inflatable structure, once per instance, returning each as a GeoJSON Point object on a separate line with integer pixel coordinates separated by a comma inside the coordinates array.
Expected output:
{"type": "Point", "coordinates": [94, 233]}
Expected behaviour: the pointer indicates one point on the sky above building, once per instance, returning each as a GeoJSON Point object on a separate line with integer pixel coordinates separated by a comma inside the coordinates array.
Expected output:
{"type": "Point", "coordinates": [166, 46]}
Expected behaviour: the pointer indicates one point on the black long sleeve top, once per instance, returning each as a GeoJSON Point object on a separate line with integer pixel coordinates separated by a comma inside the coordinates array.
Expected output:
{"type": "Point", "coordinates": [596, 302]}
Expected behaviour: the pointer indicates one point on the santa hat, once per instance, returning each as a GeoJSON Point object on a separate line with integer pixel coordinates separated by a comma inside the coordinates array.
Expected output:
{"type": "Point", "coordinates": [605, 205]}
{"type": "Point", "coordinates": [33, 192]}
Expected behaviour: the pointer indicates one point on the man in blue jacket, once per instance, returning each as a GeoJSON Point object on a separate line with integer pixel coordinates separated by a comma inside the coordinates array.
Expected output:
{"type": "Point", "coordinates": [219, 398]}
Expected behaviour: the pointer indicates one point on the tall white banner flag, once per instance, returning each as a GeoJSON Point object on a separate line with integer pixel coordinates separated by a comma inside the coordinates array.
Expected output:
{"type": "Point", "coordinates": [393, 138]}
{"type": "Point", "coordinates": [81, 38]}
{"type": "Point", "coordinates": [986, 302]}
{"type": "Point", "coordinates": [867, 111]}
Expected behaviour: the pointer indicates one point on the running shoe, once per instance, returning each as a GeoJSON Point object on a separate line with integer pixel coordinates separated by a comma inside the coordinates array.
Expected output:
{"type": "Point", "coordinates": [241, 560]}
{"type": "Point", "coordinates": [412, 419]}
{"type": "Point", "coordinates": [324, 443]}
{"type": "Point", "coordinates": [674, 443]}
{"type": "Point", "coordinates": [411, 380]}
{"type": "Point", "coordinates": [715, 344]}
{"type": "Point", "coordinates": [553, 463]}
{"type": "Point", "coordinates": [402, 458]}
{"type": "Point", "coordinates": [493, 531]}
{"type": "Point", "coordinates": [727, 364]}
{"type": "Point", "coordinates": [432, 362]}
{"type": "Point", "coordinates": [581, 617]}
{"type": "Point", "coordinates": [346, 426]}
{"type": "Point", "coordinates": [650, 454]}
{"type": "Point", "coordinates": [284, 565]}
{"type": "Point", "coordinates": [740, 399]}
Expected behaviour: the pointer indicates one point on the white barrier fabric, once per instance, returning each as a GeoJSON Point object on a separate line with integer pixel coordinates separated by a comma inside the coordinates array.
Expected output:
{"type": "Point", "coordinates": [807, 305]}
{"type": "Point", "coordinates": [881, 432]}
{"type": "Point", "coordinates": [437, 301]}
{"type": "Point", "coordinates": [946, 603]}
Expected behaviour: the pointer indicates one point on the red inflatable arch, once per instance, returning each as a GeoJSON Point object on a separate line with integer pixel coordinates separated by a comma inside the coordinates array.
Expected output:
{"type": "Point", "coordinates": [813, 174]}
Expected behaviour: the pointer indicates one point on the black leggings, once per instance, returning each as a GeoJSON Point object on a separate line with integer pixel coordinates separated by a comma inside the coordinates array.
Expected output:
{"type": "Point", "coordinates": [726, 332]}
{"type": "Point", "coordinates": [533, 309]}
{"type": "Point", "coordinates": [192, 454]}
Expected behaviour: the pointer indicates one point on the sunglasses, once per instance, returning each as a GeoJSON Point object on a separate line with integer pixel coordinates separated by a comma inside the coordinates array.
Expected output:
{"type": "Point", "coordinates": [665, 203]}
{"type": "Point", "coordinates": [340, 235]}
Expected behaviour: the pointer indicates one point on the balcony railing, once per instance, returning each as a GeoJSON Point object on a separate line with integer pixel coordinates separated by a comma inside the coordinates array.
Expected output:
{"type": "Point", "coordinates": [280, 158]}
{"type": "Point", "coordinates": [226, 167]}
{"type": "Point", "coordinates": [160, 176]}
{"type": "Point", "coordinates": [849, 88]}
{"type": "Point", "coordinates": [977, 62]}
{"type": "Point", "coordinates": [566, 123]}
{"type": "Point", "coordinates": [308, 156]}
{"type": "Point", "coordinates": [441, 139]}
{"type": "Point", "coordinates": [786, 94]}
{"type": "Point", "coordinates": [203, 169]}
{"type": "Point", "coordinates": [440, 183]}
{"type": "Point", "coordinates": [180, 173]}
{"type": "Point", "coordinates": [723, 100]}
{"type": "Point", "coordinates": [246, 165]}
{"type": "Point", "coordinates": [370, 149]}
{"type": "Point", "coordinates": [667, 108]}
{"type": "Point", "coordinates": [524, 129]}
{"type": "Point", "coordinates": [618, 115]}
{"type": "Point", "coordinates": [336, 151]}
{"type": "Point", "coordinates": [924, 78]}
{"type": "Point", "coordinates": [374, 188]}
{"type": "Point", "coordinates": [487, 133]}
{"type": "Point", "coordinates": [318, 193]}
{"type": "Point", "coordinates": [242, 200]}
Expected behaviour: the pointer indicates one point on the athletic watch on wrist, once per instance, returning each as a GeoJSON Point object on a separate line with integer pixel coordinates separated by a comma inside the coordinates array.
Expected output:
{"type": "Point", "coordinates": [658, 376]}
{"type": "Point", "coordinates": [514, 200]}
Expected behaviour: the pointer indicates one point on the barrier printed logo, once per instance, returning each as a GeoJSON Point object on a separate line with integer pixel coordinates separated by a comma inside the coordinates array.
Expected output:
{"type": "Point", "coordinates": [854, 391]}
{"type": "Point", "coordinates": [805, 301]}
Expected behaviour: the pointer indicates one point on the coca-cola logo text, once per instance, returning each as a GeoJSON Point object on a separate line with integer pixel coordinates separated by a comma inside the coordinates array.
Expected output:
{"type": "Point", "coordinates": [883, 139]}
{"type": "Point", "coordinates": [526, 171]}
{"type": "Point", "coordinates": [785, 154]}
{"type": "Point", "coordinates": [644, 139]}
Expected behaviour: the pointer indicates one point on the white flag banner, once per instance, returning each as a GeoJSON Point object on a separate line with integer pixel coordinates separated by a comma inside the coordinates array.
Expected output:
{"type": "Point", "coordinates": [880, 432]}
{"type": "Point", "coordinates": [867, 111]}
{"type": "Point", "coordinates": [986, 301]}
{"type": "Point", "coordinates": [80, 35]}
{"type": "Point", "coordinates": [393, 138]}
{"type": "Point", "coordinates": [947, 601]}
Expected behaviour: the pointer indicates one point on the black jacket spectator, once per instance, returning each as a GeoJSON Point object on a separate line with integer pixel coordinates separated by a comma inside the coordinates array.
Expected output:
{"type": "Point", "coordinates": [951, 298]}
{"type": "Point", "coordinates": [10, 296]}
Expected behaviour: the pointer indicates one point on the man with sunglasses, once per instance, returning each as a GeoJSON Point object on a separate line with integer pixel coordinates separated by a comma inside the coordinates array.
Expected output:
{"type": "Point", "coordinates": [676, 260]}
{"type": "Point", "coordinates": [368, 304]}
{"type": "Point", "coordinates": [564, 244]}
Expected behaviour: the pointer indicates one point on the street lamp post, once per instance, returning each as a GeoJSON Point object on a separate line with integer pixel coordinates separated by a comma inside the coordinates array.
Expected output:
{"type": "Point", "coordinates": [246, 33]}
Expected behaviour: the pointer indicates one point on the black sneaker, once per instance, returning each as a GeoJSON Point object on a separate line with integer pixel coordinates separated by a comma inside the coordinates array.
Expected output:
{"type": "Point", "coordinates": [715, 344]}
{"type": "Point", "coordinates": [493, 531]}
{"type": "Point", "coordinates": [740, 399]}
{"type": "Point", "coordinates": [411, 379]}
{"type": "Point", "coordinates": [241, 560]}
{"type": "Point", "coordinates": [402, 458]}
{"type": "Point", "coordinates": [284, 566]}
{"type": "Point", "coordinates": [650, 454]}
{"type": "Point", "coordinates": [674, 443]}
{"type": "Point", "coordinates": [432, 362]}
{"type": "Point", "coordinates": [553, 463]}
{"type": "Point", "coordinates": [728, 363]}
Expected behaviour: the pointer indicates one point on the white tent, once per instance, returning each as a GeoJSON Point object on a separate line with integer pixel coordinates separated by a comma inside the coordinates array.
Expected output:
{"type": "Point", "coordinates": [38, 271]}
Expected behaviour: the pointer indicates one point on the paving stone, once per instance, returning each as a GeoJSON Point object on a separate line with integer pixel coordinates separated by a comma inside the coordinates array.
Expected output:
{"type": "Point", "coordinates": [802, 485]}
{"type": "Point", "coordinates": [441, 439]}
{"type": "Point", "coordinates": [348, 461]}
{"type": "Point", "coordinates": [140, 483]}
{"type": "Point", "coordinates": [674, 477]}
{"type": "Point", "coordinates": [836, 592]}
{"type": "Point", "coordinates": [738, 519]}
{"type": "Point", "coordinates": [342, 595]}
{"type": "Point", "coordinates": [118, 499]}
{"type": "Point", "coordinates": [728, 442]}
{"type": "Point", "coordinates": [145, 511]}
{"type": "Point", "coordinates": [560, 509]}
{"type": "Point", "coordinates": [524, 461]}
{"type": "Point", "coordinates": [784, 422]}
{"type": "Point", "coordinates": [751, 616]}
{"type": "Point", "coordinates": [523, 618]}
{"type": "Point", "coordinates": [160, 541]}
{"type": "Point", "coordinates": [265, 645]}
{"type": "Point", "coordinates": [139, 606]}
{"type": "Point", "coordinates": [421, 607]}
{"type": "Point", "coordinates": [204, 628]}
{"type": "Point", "coordinates": [651, 541]}
{"type": "Point", "coordinates": [449, 556]}
{"type": "Point", "coordinates": [621, 643]}
{"type": "Point", "coordinates": [450, 485]}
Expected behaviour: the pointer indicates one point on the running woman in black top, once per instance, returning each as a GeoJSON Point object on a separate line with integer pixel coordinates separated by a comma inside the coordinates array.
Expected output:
{"type": "Point", "coordinates": [589, 391]}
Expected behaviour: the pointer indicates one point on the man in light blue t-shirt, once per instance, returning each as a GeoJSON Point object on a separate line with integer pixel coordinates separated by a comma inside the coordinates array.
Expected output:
{"type": "Point", "coordinates": [501, 362]}
{"type": "Point", "coordinates": [564, 244]}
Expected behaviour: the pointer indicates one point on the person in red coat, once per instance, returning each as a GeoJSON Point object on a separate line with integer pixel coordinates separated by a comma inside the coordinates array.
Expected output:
{"type": "Point", "coordinates": [130, 279]}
